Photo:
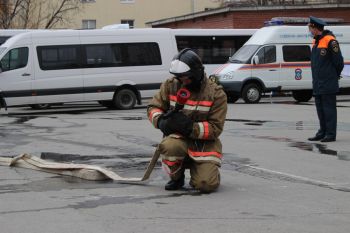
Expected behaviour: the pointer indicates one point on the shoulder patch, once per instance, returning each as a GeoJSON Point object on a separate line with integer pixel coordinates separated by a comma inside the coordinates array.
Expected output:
{"type": "Point", "coordinates": [335, 46]}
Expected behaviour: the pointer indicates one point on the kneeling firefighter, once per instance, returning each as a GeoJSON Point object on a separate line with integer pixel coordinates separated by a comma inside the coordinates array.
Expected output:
{"type": "Point", "coordinates": [191, 132]}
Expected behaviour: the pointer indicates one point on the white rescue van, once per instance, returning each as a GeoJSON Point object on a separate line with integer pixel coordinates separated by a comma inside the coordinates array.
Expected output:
{"type": "Point", "coordinates": [117, 67]}
{"type": "Point", "coordinates": [277, 58]}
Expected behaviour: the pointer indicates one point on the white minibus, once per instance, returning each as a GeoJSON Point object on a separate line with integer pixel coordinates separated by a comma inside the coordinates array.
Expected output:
{"type": "Point", "coordinates": [277, 58]}
{"type": "Point", "coordinates": [117, 67]}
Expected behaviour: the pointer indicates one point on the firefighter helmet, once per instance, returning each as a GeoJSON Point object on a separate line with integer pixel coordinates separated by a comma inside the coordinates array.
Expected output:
{"type": "Point", "coordinates": [187, 63]}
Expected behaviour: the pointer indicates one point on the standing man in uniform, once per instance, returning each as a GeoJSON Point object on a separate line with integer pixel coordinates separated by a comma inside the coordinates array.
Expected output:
{"type": "Point", "coordinates": [191, 135]}
{"type": "Point", "coordinates": [327, 64]}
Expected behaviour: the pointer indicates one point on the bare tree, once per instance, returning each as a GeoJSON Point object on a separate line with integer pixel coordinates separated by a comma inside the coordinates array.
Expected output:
{"type": "Point", "coordinates": [37, 13]}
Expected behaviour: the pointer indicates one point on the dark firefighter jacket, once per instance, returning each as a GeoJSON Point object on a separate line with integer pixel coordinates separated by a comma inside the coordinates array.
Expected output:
{"type": "Point", "coordinates": [326, 63]}
{"type": "Point", "coordinates": [207, 108]}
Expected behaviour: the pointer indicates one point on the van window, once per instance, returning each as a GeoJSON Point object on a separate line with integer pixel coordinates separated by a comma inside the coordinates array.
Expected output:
{"type": "Point", "coordinates": [296, 53]}
{"type": "Point", "coordinates": [58, 57]}
{"type": "Point", "coordinates": [124, 54]}
{"type": "Point", "coordinates": [212, 49]}
{"type": "Point", "coordinates": [244, 54]}
{"type": "Point", "coordinates": [15, 59]}
{"type": "Point", "coordinates": [267, 54]}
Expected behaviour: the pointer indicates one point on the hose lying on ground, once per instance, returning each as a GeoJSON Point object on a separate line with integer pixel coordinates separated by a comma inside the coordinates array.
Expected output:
{"type": "Point", "coordinates": [83, 171]}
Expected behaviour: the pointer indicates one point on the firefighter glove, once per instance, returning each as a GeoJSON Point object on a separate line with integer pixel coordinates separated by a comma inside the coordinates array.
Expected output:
{"type": "Point", "coordinates": [181, 123]}
{"type": "Point", "coordinates": [165, 126]}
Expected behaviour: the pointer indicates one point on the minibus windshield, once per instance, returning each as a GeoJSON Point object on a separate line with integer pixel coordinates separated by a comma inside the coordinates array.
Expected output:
{"type": "Point", "coordinates": [2, 49]}
{"type": "Point", "coordinates": [244, 54]}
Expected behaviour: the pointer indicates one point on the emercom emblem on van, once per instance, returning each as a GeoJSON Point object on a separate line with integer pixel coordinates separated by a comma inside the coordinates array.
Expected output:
{"type": "Point", "coordinates": [298, 73]}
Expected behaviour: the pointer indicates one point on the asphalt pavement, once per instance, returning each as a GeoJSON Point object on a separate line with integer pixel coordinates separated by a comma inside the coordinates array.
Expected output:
{"type": "Point", "coordinates": [273, 179]}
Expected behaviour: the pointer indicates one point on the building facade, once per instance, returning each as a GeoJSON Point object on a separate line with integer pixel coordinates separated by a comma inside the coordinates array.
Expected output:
{"type": "Point", "coordinates": [99, 13]}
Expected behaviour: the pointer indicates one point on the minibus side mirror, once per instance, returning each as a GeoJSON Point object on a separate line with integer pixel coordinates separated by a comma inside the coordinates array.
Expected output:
{"type": "Point", "coordinates": [255, 60]}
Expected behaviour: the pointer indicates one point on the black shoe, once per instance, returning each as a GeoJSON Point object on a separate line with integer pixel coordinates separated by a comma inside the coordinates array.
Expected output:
{"type": "Point", "coordinates": [328, 139]}
{"type": "Point", "coordinates": [316, 138]}
{"type": "Point", "coordinates": [175, 184]}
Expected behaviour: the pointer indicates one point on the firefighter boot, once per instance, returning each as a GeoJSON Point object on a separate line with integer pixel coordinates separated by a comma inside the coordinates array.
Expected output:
{"type": "Point", "coordinates": [175, 184]}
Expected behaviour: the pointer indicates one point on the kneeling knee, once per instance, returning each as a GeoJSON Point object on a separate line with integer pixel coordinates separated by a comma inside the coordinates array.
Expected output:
{"type": "Point", "coordinates": [205, 186]}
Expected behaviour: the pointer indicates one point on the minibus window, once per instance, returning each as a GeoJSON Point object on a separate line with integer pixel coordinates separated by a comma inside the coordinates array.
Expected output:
{"type": "Point", "coordinates": [295, 53]}
{"type": "Point", "coordinates": [123, 54]}
{"type": "Point", "coordinates": [267, 54]}
{"type": "Point", "coordinates": [100, 55]}
{"type": "Point", "coordinates": [15, 59]}
{"type": "Point", "coordinates": [244, 54]}
{"type": "Point", "coordinates": [58, 57]}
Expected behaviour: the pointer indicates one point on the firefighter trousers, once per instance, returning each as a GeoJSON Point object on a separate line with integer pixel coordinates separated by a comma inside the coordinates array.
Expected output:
{"type": "Point", "coordinates": [205, 176]}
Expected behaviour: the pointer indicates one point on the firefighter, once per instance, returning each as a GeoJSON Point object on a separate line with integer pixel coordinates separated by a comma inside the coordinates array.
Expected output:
{"type": "Point", "coordinates": [191, 135]}
{"type": "Point", "coordinates": [327, 64]}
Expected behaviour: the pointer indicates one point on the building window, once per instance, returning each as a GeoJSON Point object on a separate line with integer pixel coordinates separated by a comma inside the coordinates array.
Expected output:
{"type": "Point", "coordinates": [89, 24]}
{"type": "Point", "coordinates": [128, 21]}
{"type": "Point", "coordinates": [127, 1]}
{"type": "Point", "coordinates": [87, 1]}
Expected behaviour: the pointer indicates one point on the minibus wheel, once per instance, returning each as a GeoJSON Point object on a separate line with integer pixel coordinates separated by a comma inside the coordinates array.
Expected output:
{"type": "Point", "coordinates": [124, 99]}
{"type": "Point", "coordinates": [251, 93]}
{"type": "Point", "coordinates": [302, 95]}
{"type": "Point", "coordinates": [40, 106]}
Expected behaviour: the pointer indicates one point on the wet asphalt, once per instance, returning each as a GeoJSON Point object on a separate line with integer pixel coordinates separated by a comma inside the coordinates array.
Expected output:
{"type": "Point", "coordinates": [273, 179]}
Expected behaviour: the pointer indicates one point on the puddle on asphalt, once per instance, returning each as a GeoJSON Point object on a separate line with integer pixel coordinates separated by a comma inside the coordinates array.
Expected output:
{"type": "Point", "coordinates": [249, 122]}
{"type": "Point", "coordinates": [312, 147]}
{"type": "Point", "coordinates": [24, 119]}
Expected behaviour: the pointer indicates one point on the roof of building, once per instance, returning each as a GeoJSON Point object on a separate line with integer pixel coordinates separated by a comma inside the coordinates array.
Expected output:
{"type": "Point", "coordinates": [244, 8]}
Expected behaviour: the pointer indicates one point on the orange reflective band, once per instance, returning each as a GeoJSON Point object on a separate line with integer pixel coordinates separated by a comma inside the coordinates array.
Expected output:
{"type": "Point", "coordinates": [156, 110]}
{"type": "Point", "coordinates": [173, 97]}
{"type": "Point", "coordinates": [204, 154]}
{"type": "Point", "coordinates": [201, 103]}
{"type": "Point", "coordinates": [206, 129]}
{"type": "Point", "coordinates": [171, 163]}
{"type": "Point", "coordinates": [204, 103]}
{"type": "Point", "coordinates": [323, 43]}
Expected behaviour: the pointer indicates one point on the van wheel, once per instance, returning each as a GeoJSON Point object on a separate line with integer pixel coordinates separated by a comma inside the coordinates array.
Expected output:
{"type": "Point", "coordinates": [40, 106]}
{"type": "Point", "coordinates": [251, 93]}
{"type": "Point", "coordinates": [232, 98]}
{"type": "Point", "coordinates": [302, 95]}
{"type": "Point", "coordinates": [124, 99]}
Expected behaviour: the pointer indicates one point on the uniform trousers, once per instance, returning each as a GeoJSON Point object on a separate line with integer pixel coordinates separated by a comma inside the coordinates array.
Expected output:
{"type": "Point", "coordinates": [205, 176]}
{"type": "Point", "coordinates": [326, 106]}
